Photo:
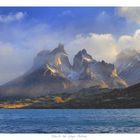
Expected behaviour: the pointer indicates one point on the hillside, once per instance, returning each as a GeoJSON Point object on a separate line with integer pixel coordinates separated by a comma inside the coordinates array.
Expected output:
{"type": "Point", "coordinates": [92, 97]}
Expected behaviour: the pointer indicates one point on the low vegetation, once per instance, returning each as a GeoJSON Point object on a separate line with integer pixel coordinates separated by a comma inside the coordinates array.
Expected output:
{"type": "Point", "coordinates": [93, 97]}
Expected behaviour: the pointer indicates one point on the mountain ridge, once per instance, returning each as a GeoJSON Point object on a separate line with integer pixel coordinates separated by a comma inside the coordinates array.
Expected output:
{"type": "Point", "coordinates": [52, 73]}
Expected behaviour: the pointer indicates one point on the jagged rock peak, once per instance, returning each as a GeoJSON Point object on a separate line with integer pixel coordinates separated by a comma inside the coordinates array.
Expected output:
{"type": "Point", "coordinates": [81, 59]}
{"type": "Point", "coordinates": [59, 49]}
{"type": "Point", "coordinates": [83, 56]}
{"type": "Point", "coordinates": [84, 51]}
{"type": "Point", "coordinates": [61, 46]}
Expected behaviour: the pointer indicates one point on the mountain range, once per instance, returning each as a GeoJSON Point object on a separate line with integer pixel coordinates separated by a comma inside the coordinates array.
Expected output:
{"type": "Point", "coordinates": [53, 82]}
{"type": "Point", "coordinates": [52, 73]}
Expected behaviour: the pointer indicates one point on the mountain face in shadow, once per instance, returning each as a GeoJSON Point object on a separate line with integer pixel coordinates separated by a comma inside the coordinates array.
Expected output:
{"type": "Point", "coordinates": [52, 73]}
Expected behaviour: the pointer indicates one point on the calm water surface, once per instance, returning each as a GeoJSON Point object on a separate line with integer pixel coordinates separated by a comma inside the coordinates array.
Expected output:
{"type": "Point", "coordinates": [70, 121]}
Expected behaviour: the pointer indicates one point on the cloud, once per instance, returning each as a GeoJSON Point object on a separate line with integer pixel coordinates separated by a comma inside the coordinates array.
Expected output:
{"type": "Point", "coordinates": [100, 46]}
{"type": "Point", "coordinates": [5, 49]}
{"type": "Point", "coordinates": [130, 41]}
{"type": "Point", "coordinates": [12, 17]}
{"type": "Point", "coordinates": [104, 46]}
{"type": "Point", "coordinates": [130, 13]}
{"type": "Point", "coordinates": [13, 61]}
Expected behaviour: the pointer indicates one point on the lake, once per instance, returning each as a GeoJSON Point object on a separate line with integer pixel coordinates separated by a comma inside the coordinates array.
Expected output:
{"type": "Point", "coordinates": [70, 121]}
